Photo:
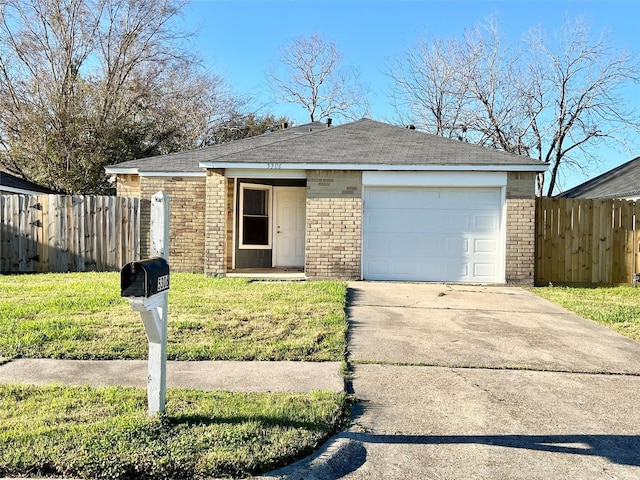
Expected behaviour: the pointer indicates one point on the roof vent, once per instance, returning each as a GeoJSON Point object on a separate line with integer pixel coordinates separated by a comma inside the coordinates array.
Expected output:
{"type": "Point", "coordinates": [329, 120]}
{"type": "Point", "coordinates": [411, 127]}
{"type": "Point", "coordinates": [285, 125]}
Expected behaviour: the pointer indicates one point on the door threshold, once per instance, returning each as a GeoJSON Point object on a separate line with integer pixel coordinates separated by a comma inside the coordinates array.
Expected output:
{"type": "Point", "coordinates": [290, 274]}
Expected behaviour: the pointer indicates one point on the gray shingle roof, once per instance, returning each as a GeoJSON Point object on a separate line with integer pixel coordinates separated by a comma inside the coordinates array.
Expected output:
{"type": "Point", "coordinates": [363, 142]}
{"type": "Point", "coordinates": [189, 161]}
{"type": "Point", "coordinates": [620, 182]}
{"type": "Point", "coordinates": [11, 181]}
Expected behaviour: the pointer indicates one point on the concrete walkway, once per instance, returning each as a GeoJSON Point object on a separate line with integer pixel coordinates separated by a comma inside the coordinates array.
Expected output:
{"type": "Point", "coordinates": [462, 382]}
{"type": "Point", "coordinates": [218, 375]}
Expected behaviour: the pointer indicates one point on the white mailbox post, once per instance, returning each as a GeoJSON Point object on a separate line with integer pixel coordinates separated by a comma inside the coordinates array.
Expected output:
{"type": "Point", "coordinates": [146, 284]}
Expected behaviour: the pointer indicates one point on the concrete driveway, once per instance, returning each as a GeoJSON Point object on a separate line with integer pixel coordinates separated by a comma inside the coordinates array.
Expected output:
{"type": "Point", "coordinates": [462, 382]}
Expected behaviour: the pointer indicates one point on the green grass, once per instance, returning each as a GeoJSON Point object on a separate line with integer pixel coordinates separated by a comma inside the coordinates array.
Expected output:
{"type": "Point", "coordinates": [616, 307]}
{"type": "Point", "coordinates": [82, 316]}
{"type": "Point", "coordinates": [105, 432]}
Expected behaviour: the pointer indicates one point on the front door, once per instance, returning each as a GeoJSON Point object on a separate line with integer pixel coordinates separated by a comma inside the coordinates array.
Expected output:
{"type": "Point", "coordinates": [289, 226]}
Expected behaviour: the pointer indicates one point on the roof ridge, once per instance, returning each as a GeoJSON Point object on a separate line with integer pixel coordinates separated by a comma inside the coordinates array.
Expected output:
{"type": "Point", "coordinates": [295, 136]}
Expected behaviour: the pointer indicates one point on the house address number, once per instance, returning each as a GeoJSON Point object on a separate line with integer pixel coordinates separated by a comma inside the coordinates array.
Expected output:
{"type": "Point", "coordinates": [274, 166]}
{"type": "Point", "coordinates": [163, 283]}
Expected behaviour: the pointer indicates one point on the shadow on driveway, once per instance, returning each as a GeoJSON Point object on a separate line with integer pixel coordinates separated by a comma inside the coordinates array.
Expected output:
{"type": "Point", "coordinates": [620, 449]}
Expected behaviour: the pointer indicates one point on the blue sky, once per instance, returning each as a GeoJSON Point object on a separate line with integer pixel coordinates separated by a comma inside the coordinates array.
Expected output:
{"type": "Point", "coordinates": [240, 39]}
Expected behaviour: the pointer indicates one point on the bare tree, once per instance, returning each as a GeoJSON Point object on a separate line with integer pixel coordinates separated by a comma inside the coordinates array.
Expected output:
{"type": "Point", "coordinates": [427, 91]}
{"type": "Point", "coordinates": [550, 103]}
{"type": "Point", "coordinates": [580, 85]}
{"type": "Point", "coordinates": [312, 76]}
{"type": "Point", "coordinates": [87, 83]}
{"type": "Point", "coordinates": [467, 88]}
{"type": "Point", "coordinates": [241, 126]}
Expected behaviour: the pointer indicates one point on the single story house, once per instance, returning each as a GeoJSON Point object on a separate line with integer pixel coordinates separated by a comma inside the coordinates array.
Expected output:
{"type": "Point", "coordinates": [12, 184]}
{"type": "Point", "coordinates": [622, 182]}
{"type": "Point", "coordinates": [363, 200]}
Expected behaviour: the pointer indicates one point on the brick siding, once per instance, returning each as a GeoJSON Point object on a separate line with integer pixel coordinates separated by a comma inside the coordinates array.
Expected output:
{"type": "Point", "coordinates": [128, 186]}
{"type": "Point", "coordinates": [520, 248]}
{"type": "Point", "coordinates": [334, 224]}
{"type": "Point", "coordinates": [186, 221]}
{"type": "Point", "coordinates": [215, 248]}
{"type": "Point", "coordinates": [229, 253]}
{"type": "Point", "coordinates": [202, 223]}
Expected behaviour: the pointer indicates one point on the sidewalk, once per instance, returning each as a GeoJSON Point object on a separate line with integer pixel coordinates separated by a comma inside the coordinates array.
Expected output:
{"type": "Point", "coordinates": [235, 376]}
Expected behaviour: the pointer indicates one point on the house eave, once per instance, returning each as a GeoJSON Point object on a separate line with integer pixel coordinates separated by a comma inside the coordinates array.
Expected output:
{"type": "Point", "coordinates": [121, 171]}
{"type": "Point", "coordinates": [20, 191]}
{"type": "Point", "coordinates": [173, 174]}
{"type": "Point", "coordinates": [154, 173]}
{"type": "Point", "coordinates": [373, 167]}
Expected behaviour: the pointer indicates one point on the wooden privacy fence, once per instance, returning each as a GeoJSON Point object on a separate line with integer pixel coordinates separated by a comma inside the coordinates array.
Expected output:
{"type": "Point", "coordinates": [55, 233]}
{"type": "Point", "coordinates": [586, 241]}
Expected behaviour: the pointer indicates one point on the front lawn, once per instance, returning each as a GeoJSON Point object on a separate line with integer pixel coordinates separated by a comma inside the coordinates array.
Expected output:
{"type": "Point", "coordinates": [85, 432]}
{"type": "Point", "coordinates": [616, 307]}
{"type": "Point", "coordinates": [82, 316]}
{"type": "Point", "coordinates": [105, 433]}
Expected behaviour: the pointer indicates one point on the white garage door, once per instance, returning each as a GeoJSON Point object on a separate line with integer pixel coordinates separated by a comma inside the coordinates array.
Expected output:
{"type": "Point", "coordinates": [433, 234]}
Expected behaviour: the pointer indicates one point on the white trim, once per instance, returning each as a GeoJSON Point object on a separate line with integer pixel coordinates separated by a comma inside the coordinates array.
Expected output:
{"type": "Point", "coordinates": [364, 188]}
{"type": "Point", "coordinates": [275, 242]}
{"type": "Point", "coordinates": [265, 173]}
{"type": "Point", "coordinates": [503, 233]}
{"type": "Point", "coordinates": [172, 174]}
{"type": "Point", "coordinates": [274, 167]}
{"type": "Point", "coordinates": [435, 179]}
{"type": "Point", "coordinates": [269, 190]}
{"type": "Point", "coordinates": [136, 171]}
{"type": "Point", "coordinates": [235, 222]}
{"type": "Point", "coordinates": [121, 170]}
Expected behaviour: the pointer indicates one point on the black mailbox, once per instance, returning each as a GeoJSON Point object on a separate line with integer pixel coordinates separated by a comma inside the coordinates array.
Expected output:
{"type": "Point", "coordinates": [144, 278]}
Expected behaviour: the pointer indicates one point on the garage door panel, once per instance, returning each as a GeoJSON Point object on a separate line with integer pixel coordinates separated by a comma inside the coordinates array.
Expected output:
{"type": "Point", "coordinates": [415, 221]}
{"type": "Point", "coordinates": [405, 221]}
{"type": "Point", "coordinates": [378, 270]}
{"type": "Point", "coordinates": [457, 221]}
{"type": "Point", "coordinates": [485, 222]}
{"type": "Point", "coordinates": [457, 270]}
{"type": "Point", "coordinates": [432, 234]}
{"type": "Point", "coordinates": [376, 246]}
{"type": "Point", "coordinates": [486, 198]}
{"type": "Point", "coordinates": [486, 246]}
{"type": "Point", "coordinates": [406, 244]}
{"type": "Point", "coordinates": [484, 270]}
{"type": "Point", "coordinates": [457, 246]}
{"type": "Point", "coordinates": [405, 268]}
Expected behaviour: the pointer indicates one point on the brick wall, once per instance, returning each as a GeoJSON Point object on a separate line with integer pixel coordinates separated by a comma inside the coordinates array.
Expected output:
{"type": "Point", "coordinates": [186, 221]}
{"type": "Point", "coordinates": [128, 186]}
{"type": "Point", "coordinates": [229, 253]}
{"type": "Point", "coordinates": [334, 224]}
{"type": "Point", "coordinates": [521, 184]}
{"type": "Point", "coordinates": [520, 251]}
{"type": "Point", "coordinates": [215, 251]}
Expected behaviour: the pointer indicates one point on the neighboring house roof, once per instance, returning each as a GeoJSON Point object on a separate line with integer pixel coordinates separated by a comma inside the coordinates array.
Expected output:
{"type": "Point", "coordinates": [620, 182]}
{"type": "Point", "coordinates": [12, 184]}
{"type": "Point", "coordinates": [357, 145]}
